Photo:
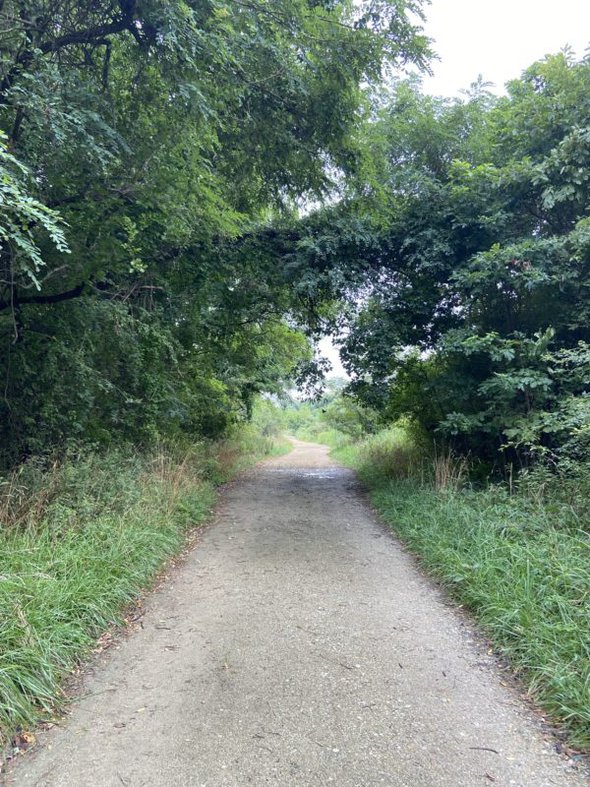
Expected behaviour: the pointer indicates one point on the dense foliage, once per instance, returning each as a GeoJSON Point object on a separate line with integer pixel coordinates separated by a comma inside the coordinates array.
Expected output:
{"type": "Point", "coordinates": [144, 144]}
{"type": "Point", "coordinates": [156, 275]}
{"type": "Point", "coordinates": [466, 266]}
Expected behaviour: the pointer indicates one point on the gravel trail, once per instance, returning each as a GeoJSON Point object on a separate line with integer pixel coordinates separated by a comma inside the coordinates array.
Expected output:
{"type": "Point", "coordinates": [297, 645]}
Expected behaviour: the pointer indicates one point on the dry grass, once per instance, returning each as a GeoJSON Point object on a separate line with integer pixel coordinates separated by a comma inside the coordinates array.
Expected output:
{"type": "Point", "coordinates": [27, 492]}
{"type": "Point", "coordinates": [450, 472]}
{"type": "Point", "coordinates": [393, 453]}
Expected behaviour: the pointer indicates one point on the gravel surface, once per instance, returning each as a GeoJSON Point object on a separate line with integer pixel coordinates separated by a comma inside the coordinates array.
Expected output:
{"type": "Point", "coordinates": [297, 645]}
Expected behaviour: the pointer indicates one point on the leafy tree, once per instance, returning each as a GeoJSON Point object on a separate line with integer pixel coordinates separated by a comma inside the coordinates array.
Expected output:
{"type": "Point", "coordinates": [21, 213]}
{"type": "Point", "coordinates": [472, 278]}
{"type": "Point", "coordinates": [156, 142]}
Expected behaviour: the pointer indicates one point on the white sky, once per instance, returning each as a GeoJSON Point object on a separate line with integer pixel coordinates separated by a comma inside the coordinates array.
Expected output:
{"type": "Point", "coordinates": [328, 350]}
{"type": "Point", "coordinates": [499, 39]}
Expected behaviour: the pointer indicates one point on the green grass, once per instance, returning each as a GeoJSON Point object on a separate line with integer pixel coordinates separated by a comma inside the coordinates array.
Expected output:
{"type": "Point", "coordinates": [324, 435]}
{"type": "Point", "coordinates": [520, 563]}
{"type": "Point", "coordinates": [79, 542]}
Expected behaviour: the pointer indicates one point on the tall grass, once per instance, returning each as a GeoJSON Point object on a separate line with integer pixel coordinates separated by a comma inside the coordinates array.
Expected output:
{"type": "Point", "coordinates": [79, 541]}
{"type": "Point", "coordinates": [520, 562]}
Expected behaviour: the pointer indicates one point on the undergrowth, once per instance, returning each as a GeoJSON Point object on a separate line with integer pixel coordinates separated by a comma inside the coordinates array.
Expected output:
{"type": "Point", "coordinates": [520, 562]}
{"type": "Point", "coordinates": [79, 541]}
{"type": "Point", "coordinates": [324, 435]}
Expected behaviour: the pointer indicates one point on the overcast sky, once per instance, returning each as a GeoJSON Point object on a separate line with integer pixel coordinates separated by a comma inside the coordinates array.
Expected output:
{"type": "Point", "coordinates": [499, 39]}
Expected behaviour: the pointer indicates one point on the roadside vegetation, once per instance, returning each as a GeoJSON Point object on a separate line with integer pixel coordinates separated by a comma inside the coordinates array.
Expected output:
{"type": "Point", "coordinates": [516, 555]}
{"type": "Point", "coordinates": [83, 536]}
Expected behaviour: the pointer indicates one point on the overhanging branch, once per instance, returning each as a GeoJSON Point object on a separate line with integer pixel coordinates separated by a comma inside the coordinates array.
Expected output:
{"type": "Point", "coordinates": [96, 34]}
{"type": "Point", "coordinates": [17, 300]}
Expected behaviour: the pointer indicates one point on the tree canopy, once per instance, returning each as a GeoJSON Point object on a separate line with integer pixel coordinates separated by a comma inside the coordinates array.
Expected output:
{"type": "Point", "coordinates": [146, 148]}
{"type": "Point", "coordinates": [192, 191]}
{"type": "Point", "coordinates": [470, 315]}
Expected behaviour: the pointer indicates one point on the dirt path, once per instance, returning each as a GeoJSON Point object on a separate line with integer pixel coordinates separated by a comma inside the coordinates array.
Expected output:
{"type": "Point", "coordinates": [297, 646]}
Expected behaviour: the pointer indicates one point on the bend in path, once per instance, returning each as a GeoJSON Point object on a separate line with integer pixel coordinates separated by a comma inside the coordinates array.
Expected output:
{"type": "Point", "coordinates": [297, 645]}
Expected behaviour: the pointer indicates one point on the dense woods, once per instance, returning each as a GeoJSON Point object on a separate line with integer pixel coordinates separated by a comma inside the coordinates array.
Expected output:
{"type": "Point", "coordinates": [156, 269]}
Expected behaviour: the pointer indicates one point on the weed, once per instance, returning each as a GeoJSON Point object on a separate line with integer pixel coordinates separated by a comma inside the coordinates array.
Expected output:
{"type": "Point", "coordinates": [450, 472]}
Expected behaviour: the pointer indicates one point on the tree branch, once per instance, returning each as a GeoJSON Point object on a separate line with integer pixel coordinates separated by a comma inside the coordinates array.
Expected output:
{"type": "Point", "coordinates": [75, 292]}
{"type": "Point", "coordinates": [74, 37]}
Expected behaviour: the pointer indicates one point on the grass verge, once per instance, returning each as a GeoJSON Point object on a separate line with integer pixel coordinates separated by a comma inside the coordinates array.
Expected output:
{"type": "Point", "coordinates": [79, 542]}
{"type": "Point", "coordinates": [520, 563]}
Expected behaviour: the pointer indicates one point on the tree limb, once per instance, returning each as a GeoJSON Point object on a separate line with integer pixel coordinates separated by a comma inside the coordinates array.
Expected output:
{"type": "Point", "coordinates": [17, 300]}
{"type": "Point", "coordinates": [91, 35]}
